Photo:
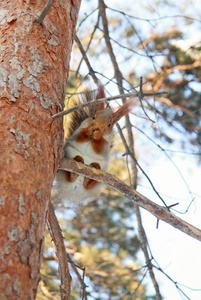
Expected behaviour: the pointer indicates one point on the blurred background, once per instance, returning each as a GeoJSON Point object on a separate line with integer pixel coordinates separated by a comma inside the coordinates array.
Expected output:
{"type": "Point", "coordinates": [159, 41]}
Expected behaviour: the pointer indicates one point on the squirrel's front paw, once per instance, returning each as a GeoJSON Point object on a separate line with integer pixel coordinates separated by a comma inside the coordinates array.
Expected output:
{"type": "Point", "coordinates": [90, 183]}
{"type": "Point", "coordinates": [71, 177]}
{"type": "Point", "coordinates": [89, 130]}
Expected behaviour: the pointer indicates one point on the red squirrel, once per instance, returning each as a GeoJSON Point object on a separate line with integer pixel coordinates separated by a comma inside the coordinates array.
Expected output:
{"type": "Point", "coordinates": [90, 139]}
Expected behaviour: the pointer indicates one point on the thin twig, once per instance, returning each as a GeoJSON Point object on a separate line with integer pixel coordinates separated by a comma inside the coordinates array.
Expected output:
{"type": "Point", "coordinates": [169, 157]}
{"type": "Point", "coordinates": [128, 152]}
{"type": "Point", "coordinates": [118, 74]}
{"type": "Point", "coordinates": [143, 241]}
{"type": "Point", "coordinates": [81, 106]}
{"type": "Point", "coordinates": [154, 19]}
{"type": "Point", "coordinates": [158, 211]}
{"type": "Point", "coordinates": [91, 71]}
{"type": "Point", "coordinates": [140, 282]}
{"type": "Point", "coordinates": [89, 43]}
{"type": "Point", "coordinates": [44, 12]}
{"type": "Point", "coordinates": [175, 283]}
{"type": "Point", "coordinates": [141, 96]}
{"type": "Point", "coordinates": [81, 280]}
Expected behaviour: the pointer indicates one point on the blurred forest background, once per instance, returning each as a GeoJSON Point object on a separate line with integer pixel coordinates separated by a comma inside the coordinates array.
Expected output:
{"type": "Point", "coordinates": [121, 41]}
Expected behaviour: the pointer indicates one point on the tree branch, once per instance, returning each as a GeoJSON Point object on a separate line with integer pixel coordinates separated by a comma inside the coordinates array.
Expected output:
{"type": "Point", "coordinates": [55, 232]}
{"type": "Point", "coordinates": [131, 154]}
{"type": "Point", "coordinates": [79, 44]}
{"type": "Point", "coordinates": [44, 12]}
{"type": "Point", "coordinates": [91, 71]}
{"type": "Point", "coordinates": [158, 211]}
{"type": "Point", "coordinates": [117, 72]}
{"type": "Point", "coordinates": [81, 106]}
{"type": "Point", "coordinates": [142, 234]}
{"type": "Point", "coordinates": [80, 279]}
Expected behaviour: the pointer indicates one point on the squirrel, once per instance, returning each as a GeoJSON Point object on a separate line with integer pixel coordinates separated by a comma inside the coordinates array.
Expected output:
{"type": "Point", "coordinates": [89, 141]}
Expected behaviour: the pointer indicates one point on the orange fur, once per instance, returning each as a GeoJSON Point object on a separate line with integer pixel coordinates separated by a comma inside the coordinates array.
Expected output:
{"type": "Point", "coordinates": [83, 136]}
{"type": "Point", "coordinates": [91, 133]}
{"type": "Point", "coordinates": [98, 145]}
{"type": "Point", "coordinates": [122, 111]}
{"type": "Point", "coordinates": [71, 177]}
{"type": "Point", "coordinates": [101, 94]}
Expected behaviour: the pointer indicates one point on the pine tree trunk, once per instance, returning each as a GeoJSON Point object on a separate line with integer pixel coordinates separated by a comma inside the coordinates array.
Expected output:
{"type": "Point", "coordinates": [34, 64]}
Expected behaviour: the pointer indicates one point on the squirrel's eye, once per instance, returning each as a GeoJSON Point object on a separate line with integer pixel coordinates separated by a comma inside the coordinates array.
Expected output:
{"type": "Point", "coordinates": [109, 125]}
{"type": "Point", "coordinates": [93, 117]}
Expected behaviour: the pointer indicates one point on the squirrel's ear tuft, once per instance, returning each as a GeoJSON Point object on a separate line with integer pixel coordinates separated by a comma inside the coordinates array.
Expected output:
{"type": "Point", "coordinates": [101, 106]}
{"type": "Point", "coordinates": [100, 95]}
{"type": "Point", "coordinates": [116, 118]}
{"type": "Point", "coordinates": [123, 110]}
{"type": "Point", "coordinates": [101, 91]}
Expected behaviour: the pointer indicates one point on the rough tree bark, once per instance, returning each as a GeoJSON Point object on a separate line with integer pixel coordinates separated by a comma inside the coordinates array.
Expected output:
{"type": "Point", "coordinates": [33, 75]}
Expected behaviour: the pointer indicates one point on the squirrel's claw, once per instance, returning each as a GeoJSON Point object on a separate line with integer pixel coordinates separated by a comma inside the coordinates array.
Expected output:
{"type": "Point", "coordinates": [71, 177]}
{"type": "Point", "coordinates": [90, 183]}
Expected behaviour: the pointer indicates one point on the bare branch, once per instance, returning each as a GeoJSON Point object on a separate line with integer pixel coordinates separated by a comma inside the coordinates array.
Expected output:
{"type": "Point", "coordinates": [91, 71]}
{"type": "Point", "coordinates": [55, 232]}
{"type": "Point", "coordinates": [154, 19]}
{"type": "Point", "coordinates": [142, 234]}
{"type": "Point", "coordinates": [143, 241]}
{"type": "Point", "coordinates": [118, 76]}
{"type": "Point", "coordinates": [44, 12]}
{"type": "Point", "coordinates": [140, 96]}
{"type": "Point", "coordinates": [140, 282]}
{"type": "Point", "coordinates": [81, 280]}
{"type": "Point", "coordinates": [89, 43]}
{"type": "Point", "coordinates": [128, 152]}
{"type": "Point", "coordinates": [158, 211]}
{"type": "Point", "coordinates": [81, 106]}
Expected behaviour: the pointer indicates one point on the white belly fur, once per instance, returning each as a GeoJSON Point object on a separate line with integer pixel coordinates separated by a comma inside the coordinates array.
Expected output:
{"type": "Point", "coordinates": [74, 192]}
{"type": "Point", "coordinates": [86, 152]}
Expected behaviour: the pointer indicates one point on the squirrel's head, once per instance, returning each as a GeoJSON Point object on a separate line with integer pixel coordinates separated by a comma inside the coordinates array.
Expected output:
{"type": "Point", "coordinates": [102, 122]}
{"type": "Point", "coordinates": [99, 125]}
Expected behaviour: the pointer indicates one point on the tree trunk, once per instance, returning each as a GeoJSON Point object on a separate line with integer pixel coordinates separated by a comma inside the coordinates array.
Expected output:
{"type": "Point", "coordinates": [33, 75]}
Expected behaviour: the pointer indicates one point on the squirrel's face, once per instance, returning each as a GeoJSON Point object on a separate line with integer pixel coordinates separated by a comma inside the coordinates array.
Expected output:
{"type": "Point", "coordinates": [99, 125]}
{"type": "Point", "coordinates": [102, 124]}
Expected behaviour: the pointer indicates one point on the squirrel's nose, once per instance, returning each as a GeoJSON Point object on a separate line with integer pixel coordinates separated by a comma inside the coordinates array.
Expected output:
{"type": "Point", "coordinates": [96, 129]}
